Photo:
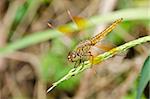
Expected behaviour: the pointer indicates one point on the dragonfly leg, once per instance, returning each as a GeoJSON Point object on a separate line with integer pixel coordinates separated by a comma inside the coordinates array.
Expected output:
{"type": "Point", "coordinates": [91, 58]}
{"type": "Point", "coordinates": [82, 64]}
{"type": "Point", "coordinates": [76, 64]}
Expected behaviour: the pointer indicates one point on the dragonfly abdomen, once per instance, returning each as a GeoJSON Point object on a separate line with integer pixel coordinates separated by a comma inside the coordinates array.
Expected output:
{"type": "Point", "coordinates": [102, 34]}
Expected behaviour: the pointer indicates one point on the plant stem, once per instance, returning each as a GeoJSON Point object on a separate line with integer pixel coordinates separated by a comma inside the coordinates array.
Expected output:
{"type": "Point", "coordinates": [101, 58]}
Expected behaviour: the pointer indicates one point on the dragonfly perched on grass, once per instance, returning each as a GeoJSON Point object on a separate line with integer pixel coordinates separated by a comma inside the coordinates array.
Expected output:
{"type": "Point", "coordinates": [82, 51]}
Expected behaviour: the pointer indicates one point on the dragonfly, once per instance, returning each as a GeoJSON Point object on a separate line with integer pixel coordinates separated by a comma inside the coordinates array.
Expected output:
{"type": "Point", "coordinates": [82, 51]}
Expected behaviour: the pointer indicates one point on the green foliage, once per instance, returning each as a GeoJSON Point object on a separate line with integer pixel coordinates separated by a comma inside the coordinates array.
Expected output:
{"type": "Point", "coordinates": [54, 65]}
{"type": "Point", "coordinates": [29, 40]}
{"type": "Point", "coordinates": [144, 78]}
{"type": "Point", "coordinates": [132, 92]}
{"type": "Point", "coordinates": [115, 38]}
{"type": "Point", "coordinates": [21, 11]}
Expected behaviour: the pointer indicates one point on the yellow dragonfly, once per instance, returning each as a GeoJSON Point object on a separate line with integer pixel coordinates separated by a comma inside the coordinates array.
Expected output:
{"type": "Point", "coordinates": [82, 51]}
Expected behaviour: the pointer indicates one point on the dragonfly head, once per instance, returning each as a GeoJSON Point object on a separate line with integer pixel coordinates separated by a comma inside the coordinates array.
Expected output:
{"type": "Point", "coordinates": [72, 56]}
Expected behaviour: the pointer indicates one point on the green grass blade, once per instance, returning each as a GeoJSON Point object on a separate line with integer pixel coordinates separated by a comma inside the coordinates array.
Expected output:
{"type": "Point", "coordinates": [30, 40]}
{"type": "Point", "coordinates": [126, 14]}
{"type": "Point", "coordinates": [145, 77]}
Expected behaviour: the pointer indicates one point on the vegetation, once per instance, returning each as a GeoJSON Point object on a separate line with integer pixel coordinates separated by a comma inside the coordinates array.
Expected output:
{"type": "Point", "coordinates": [33, 57]}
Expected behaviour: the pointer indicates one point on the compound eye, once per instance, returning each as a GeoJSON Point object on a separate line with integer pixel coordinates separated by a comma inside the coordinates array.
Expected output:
{"type": "Point", "coordinates": [73, 56]}
{"type": "Point", "coordinates": [69, 57]}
